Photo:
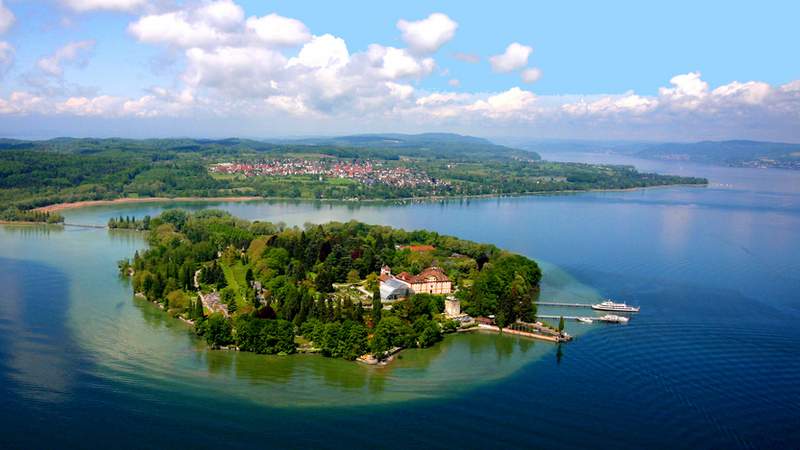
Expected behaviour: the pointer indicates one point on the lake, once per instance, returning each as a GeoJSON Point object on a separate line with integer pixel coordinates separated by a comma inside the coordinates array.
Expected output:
{"type": "Point", "coordinates": [712, 361]}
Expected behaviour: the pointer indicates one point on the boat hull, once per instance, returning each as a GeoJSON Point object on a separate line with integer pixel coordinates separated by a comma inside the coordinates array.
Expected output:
{"type": "Point", "coordinates": [612, 309]}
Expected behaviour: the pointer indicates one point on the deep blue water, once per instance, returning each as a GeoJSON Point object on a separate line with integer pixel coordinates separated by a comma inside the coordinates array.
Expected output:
{"type": "Point", "coordinates": [712, 361]}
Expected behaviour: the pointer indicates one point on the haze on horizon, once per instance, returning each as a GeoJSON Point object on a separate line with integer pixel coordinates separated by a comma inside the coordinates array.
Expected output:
{"type": "Point", "coordinates": [203, 68]}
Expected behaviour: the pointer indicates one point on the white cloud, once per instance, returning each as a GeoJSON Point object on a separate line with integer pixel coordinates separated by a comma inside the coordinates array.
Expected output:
{"type": "Point", "coordinates": [454, 82]}
{"type": "Point", "coordinates": [442, 98]}
{"type": "Point", "coordinates": [751, 92]}
{"type": "Point", "coordinates": [110, 5]}
{"type": "Point", "coordinates": [279, 31]}
{"type": "Point", "coordinates": [531, 75]}
{"type": "Point", "coordinates": [75, 53]}
{"type": "Point", "coordinates": [323, 51]}
{"type": "Point", "coordinates": [211, 24]}
{"type": "Point", "coordinates": [609, 105]}
{"type": "Point", "coordinates": [6, 18]}
{"type": "Point", "coordinates": [514, 100]}
{"type": "Point", "coordinates": [396, 63]}
{"type": "Point", "coordinates": [429, 34]}
{"type": "Point", "coordinates": [103, 105]}
{"type": "Point", "coordinates": [21, 103]}
{"type": "Point", "coordinates": [515, 57]}
{"type": "Point", "coordinates": [238, 71]}
{"type": "Point", "coordinates": [687, 90]}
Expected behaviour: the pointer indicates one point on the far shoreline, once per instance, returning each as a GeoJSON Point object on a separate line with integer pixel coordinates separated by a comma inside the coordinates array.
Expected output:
{"type": "Point", "coordinates": [56, 207]}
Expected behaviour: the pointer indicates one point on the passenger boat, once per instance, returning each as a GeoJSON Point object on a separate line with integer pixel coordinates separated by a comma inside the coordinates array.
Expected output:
{"type": "Point", "coordinates": [585, 320]}
{"type": "Point", "coordinates": [609, 305]}
{"type": "Point", "coordinates": [614, 318]}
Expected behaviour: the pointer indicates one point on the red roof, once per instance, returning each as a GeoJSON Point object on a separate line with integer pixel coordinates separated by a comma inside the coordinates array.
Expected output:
{"type": "Point", "coordinates": [435, 273]}
{"type": "Point", "coordinates": [418, 248]}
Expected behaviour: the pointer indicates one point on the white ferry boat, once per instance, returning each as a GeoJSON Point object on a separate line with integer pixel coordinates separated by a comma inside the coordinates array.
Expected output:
{"type": "Point", "coordinates": [609, 305]}
{"type": "Point", "coordinates": [613, 318]}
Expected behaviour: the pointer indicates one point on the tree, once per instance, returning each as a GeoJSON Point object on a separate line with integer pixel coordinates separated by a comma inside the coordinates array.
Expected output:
{"type": "Point", "coordinates": [352, 276]}
{"type": "Point", "coordinates": [561, 324]}
{"type": "Point", "coordinates": [358, 315]}
{"type": "Point", "coordinates": [372, 284]}
{"type": "Point", "coordinates": [392, 332]}
{"type": "Point", "coordinates": [377, 307]}
{"type": "Point", "coordinates": [198, 309]}
{"type": "Point", "coordinates": [325, 278]}
{"type": "Point", "coordinates": [217, 330]}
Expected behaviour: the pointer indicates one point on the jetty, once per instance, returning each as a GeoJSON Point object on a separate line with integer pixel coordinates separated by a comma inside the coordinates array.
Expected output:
{"type": "Point", "coordinates": [594, 318]}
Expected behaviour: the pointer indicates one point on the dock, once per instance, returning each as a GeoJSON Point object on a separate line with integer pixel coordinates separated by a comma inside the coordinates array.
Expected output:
{"type": "Point", "coordinates": [594, 318]}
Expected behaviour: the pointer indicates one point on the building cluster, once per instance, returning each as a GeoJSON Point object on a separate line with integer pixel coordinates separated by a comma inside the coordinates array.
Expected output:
{"type": "Point", "coordinates": [366, 172]}
{"type": "Point", "coordinates": [432, 280]}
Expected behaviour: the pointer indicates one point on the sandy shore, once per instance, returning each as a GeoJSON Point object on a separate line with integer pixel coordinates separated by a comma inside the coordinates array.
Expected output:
{"type": "Point", "coordinates": [83, 204]}
{"type": "Point", "coordinates": [62, 206]}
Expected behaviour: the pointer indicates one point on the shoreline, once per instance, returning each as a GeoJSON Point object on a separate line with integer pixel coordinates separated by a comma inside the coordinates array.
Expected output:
{"type": "Point", "coordinates": [132, 200]}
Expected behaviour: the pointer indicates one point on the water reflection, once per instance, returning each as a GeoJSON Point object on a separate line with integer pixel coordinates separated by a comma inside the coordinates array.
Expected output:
{"type": "Point", "coordinates": [37, 351]}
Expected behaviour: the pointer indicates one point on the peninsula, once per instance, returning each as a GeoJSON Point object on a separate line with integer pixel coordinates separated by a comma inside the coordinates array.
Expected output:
{"type": "Point", "coordinates": [47, 176]}
{"type": "Point", "coordinates": [345, 290]}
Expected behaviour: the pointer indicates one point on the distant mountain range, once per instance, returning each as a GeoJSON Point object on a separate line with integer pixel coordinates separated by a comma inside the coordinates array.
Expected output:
{"type": "Point", "coordinates": [441, 144]}
{"type": "Point", "coordinates": [731, 153]}
{"type": "Point", "coordinates": [736, 153]}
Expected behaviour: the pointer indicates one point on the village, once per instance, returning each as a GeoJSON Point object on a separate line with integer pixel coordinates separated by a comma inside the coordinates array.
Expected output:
{"type": "Point", "coordinates": [365, 172]}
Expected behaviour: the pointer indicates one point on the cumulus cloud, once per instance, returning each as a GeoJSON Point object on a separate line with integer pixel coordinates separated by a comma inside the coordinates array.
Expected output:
{"type": "Point", "coordinates": [510, 102]}
{"type": "Point", "coordinates": [608, 105]}
{"type": "Point", "coordinates": [6, 18]}
{"type": "Point", "coordinates": [396, 63]}
{"type": "Point", "coordinates": [514, 57]}
{"type": "Point", "coordinates": [109, 5]}
{"type": "Point", "coordinates": [211, 24]}
{"type": "Point", "coordinates": [74, 53]}
{"type": "Point", "coordinates": [531, 75]}
{"type": "Point", "coordinates": [22, 103]}
{"type": "Point", "coordinates": [279, 31]}
{"type": "Point", "coordinates": [326, 51]}
{"type": "Point", "coordinates": [429, 34]}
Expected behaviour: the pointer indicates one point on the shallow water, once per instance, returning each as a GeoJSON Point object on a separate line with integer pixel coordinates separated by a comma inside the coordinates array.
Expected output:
{"type": "Point", "coordinates": [711, 361]}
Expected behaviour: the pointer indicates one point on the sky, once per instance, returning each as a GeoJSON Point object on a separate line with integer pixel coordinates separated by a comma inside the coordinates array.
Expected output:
{"type": "Point", "coordinates": [617, 70]}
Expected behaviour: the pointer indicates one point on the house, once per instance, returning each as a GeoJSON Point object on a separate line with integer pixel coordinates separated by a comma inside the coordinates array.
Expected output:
{"type": "Point", "coordinates": [430, 281]}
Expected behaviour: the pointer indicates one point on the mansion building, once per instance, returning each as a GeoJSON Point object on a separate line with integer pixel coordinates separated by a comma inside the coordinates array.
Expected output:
{"type": "Point", "coordinates": [430, 281]}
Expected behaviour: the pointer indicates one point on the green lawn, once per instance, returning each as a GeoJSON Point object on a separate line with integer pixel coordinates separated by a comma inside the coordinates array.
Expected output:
{"type": "Point", "coordinates": [235, 276]}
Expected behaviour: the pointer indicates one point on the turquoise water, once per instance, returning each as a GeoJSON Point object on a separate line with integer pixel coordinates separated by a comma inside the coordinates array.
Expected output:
{"type": "Point", "coordinates": [712, 360]}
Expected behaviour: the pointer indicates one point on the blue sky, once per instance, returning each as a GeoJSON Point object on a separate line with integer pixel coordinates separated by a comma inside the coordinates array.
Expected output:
{"type": "Point", "coordinates": [621, 70]}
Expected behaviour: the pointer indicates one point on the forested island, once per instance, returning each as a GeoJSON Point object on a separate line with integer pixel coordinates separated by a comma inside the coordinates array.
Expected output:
{"type": "Point", "coordinates": [35, 174]}
{"type": "Point", "coordinates": [271, 289]}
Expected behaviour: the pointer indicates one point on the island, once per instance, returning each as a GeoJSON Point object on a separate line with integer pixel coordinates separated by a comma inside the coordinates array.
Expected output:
{"type": "Point", "coordinates": [47, 176]}
{"type": "Point", "coordinates": [344, 290]}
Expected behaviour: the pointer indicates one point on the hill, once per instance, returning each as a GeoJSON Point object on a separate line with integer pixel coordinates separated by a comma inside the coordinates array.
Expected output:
{"type": "Point", "coordinates": [366, 146]}
{"type": "Point", "coordinates": [738, 153]}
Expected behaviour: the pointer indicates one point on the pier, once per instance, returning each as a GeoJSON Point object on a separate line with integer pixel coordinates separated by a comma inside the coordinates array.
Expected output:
{"type": "Point", "coordinates": [594, 318]}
